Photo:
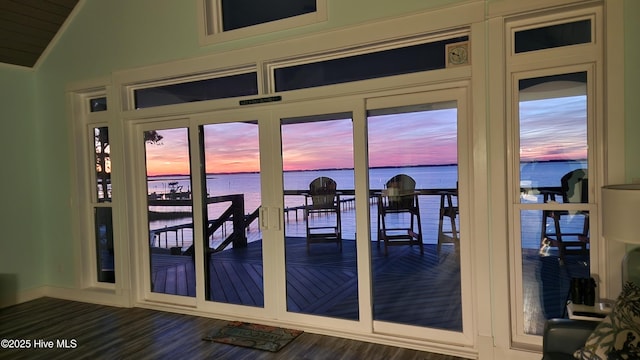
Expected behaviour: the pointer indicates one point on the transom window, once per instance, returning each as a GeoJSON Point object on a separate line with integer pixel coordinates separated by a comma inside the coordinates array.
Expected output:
{"type": "Point", "coordinates": [224, 20]}
{"type": "Point", "coordinates": [236, 14]}
{"type": "Point", "coordinates": [184, 91]}
{"type": "Point", "coordinates": [553, 36]}
{"type": "Point", "coordinates": [369, 65]}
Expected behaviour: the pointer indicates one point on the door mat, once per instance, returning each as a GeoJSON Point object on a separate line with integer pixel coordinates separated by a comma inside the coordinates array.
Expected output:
{"type": "Point", "coordinates": [262, 337]}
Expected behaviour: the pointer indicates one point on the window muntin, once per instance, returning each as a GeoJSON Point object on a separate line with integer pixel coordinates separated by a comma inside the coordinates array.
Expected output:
{"type": "Point", "coordinates": [375, 64]}
{"type": "Point", "coordinates": [220, 87]}
{"type": "Point", "coordinates": [553, 36]}
{"type": "Point", "coordinates": [553, 141]}
{"type": "Point", "coordinates": [100, 230]}
{"type": "Point", "coordinates": [533, 72]}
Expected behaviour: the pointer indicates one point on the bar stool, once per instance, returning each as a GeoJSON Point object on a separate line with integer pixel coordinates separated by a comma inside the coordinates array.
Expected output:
{"type": "Point", "coordinates": [448, 209]}
{"type": "Point", "coordinates": [400, 202]}
{"type": "Point", "coordinates": [575, 189]}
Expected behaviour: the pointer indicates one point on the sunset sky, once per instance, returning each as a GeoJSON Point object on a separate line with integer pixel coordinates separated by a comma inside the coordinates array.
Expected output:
{"type": "Point", "coordinates": [551, 129]}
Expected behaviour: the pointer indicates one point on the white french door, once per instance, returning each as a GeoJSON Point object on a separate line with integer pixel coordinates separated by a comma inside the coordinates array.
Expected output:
{"type": "Point", "coordinates": [225, 213]}
{"type": "Point", "coordinates": [423, 136]}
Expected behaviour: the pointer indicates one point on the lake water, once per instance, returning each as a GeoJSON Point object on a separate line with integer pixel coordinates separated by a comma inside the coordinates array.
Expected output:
{"type": "Point", "coordinates": [538, 174]}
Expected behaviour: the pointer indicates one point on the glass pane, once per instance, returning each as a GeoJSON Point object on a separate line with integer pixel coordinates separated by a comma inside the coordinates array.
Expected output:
{"type": "Point", "coordinates": [546, 280]}
{"type": "Point", "coordinates": [102, 157]}
{"type": "Point", "coordinates": [553, 135]}
{"type": "Point", "coordinates": [170, 212]}
{"type": "Point", "coordinates": [242, 13]}
{"type": "Point", "coordinates": [320, 252]}
{"type": "Point", "coordinates": [200, 90]}
{"type": "Point", "coordinates": [553, 170]}
{"type": "Point", "coordinates": [233, 260]}
{"type": "Point", "coordinates": [413, 174]}
{"type": "Point", "coordinates": [98, 104]}
{"type": "Point", "coordinates": [405, 60]}
{"type": "Point", "coordinates": [104, 244]}
{"type": "Point", "coordinates": [578, 32]}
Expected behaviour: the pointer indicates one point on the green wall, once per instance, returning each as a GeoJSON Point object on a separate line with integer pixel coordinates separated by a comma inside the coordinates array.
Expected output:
{"type": "Point", "coordinates": [22, 251]}
{"type": "Point", "coordinates": [108, 36]}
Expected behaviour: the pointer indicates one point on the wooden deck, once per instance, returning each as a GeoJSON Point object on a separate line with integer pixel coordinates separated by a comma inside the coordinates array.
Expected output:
{"type": "Point", "coordinates": [408, 288]}
{"type": "Point", "coordinates": [546, 286]}
{"type": "Point", "coordinates": [324, 282]}
{"type": "Point", "coordinates": [173, 274]}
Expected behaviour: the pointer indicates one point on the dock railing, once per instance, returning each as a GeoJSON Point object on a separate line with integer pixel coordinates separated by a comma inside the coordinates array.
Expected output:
{"type": "Point", "coordinates": [231, 227]}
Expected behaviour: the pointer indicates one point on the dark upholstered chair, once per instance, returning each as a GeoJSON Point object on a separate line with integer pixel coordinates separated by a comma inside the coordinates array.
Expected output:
{"type": "Point", "coordinates": [562, 337]}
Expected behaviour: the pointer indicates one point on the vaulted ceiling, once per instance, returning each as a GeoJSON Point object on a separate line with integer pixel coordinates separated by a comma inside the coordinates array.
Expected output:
{"type": "Point", "coordinates": [28, 26]}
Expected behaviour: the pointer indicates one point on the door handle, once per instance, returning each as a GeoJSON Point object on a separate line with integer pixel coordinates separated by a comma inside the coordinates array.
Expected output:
{"type": "Point", "coordinates": [270, 218]}
{"type": "Point", "coordinates": [264, 218]}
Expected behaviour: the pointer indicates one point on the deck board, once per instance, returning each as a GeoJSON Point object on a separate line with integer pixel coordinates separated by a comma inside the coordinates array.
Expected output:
{"type": "Point", "coordinates": [324, 282]}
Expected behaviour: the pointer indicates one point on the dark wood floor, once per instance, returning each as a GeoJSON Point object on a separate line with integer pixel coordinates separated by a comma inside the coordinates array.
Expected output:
{"type": "Point", "coordinates": [103, 332]}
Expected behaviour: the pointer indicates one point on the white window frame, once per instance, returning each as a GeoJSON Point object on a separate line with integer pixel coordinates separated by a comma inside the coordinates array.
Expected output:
{"type": "Point", "coordinates": [559, 60]}
{"type": "Point", "coordinates": [84, 121]}
{"type": "Point", "coordinates": [440, 24]}
{"type": "Point", "coordinates": [130, 103]}
{"type": "Point", "coordinates": [210, 23]}
{"type": "Point", "coordinates": [271, 67]}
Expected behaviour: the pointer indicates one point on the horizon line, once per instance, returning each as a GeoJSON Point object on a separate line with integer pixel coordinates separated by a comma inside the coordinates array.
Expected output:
{"type": "Point", "coordinates": [373, 167]}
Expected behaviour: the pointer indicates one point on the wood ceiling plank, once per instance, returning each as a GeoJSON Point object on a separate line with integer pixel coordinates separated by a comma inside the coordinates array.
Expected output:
{"type": "Point", "coordinates": [46, 6]}
{"type": "Point", "coordinates": [15, 57]}
{"type": "Point", "coordinates": [19, 40]}
{"type": "Point", "coordinates": [31, 22]}
{"type": "Point", "coordinates": [20, 9]}
{"type": "Point", "coordinates": [27, 30]}
{"type": "Point", "coordinates": [27, 27]}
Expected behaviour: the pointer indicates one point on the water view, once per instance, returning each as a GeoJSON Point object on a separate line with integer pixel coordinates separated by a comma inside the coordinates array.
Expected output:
{"type": "Point", "coordinates": [399, 140]}
{"type": "Point", "coordinates": [533, 175]}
